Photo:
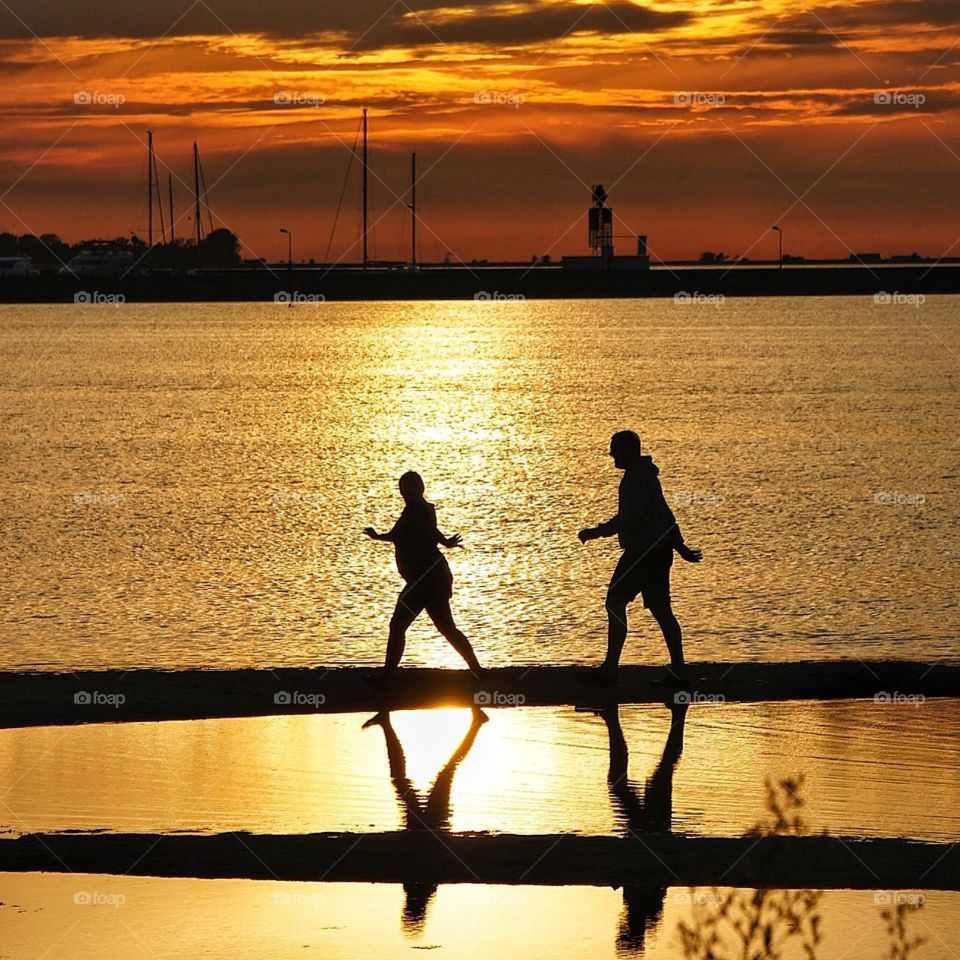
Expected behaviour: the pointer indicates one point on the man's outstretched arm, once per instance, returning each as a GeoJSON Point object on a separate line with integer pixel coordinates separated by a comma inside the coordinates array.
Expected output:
{"type": "Point", "coordinates": [608, 529]}
{"type": "Point", "coordinates": [455, 541]}
{"type": "Point", "coordinates": [634, 498]}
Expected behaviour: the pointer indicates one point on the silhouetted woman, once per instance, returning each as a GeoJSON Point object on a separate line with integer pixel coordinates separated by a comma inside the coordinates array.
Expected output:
{"type": "Point", "coordinates": [429, 582]}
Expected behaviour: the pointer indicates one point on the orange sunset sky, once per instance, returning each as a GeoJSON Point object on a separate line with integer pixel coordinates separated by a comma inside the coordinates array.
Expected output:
{"type": "Point", "coordinates": [706, 121]}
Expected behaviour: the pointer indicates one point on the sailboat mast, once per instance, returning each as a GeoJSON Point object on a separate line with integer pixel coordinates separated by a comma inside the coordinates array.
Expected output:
{"type": "Point", "coordinates": [413, 211]}
{"type": "Point", "coordinates": [150, 164]}
{"type": "Point", "coordinates": [365, 208]}
{"type": "Point", "coordinates": [196, 189]}
{"type": "Point", "coordinates": [170, 197]}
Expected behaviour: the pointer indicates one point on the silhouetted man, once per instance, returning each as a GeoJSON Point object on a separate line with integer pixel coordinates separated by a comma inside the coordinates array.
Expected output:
{"type": "Point", "coordinates": [429, 582]}
{"type": "Point", "coordinates": [648, 533]}
{"type": "Point", "coordinates": [419, 813]}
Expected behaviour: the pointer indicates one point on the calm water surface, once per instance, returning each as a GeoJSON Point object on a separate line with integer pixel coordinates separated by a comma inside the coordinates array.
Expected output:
{"type": "Point", "coordinates": [121, 917]}
{"type": "Point", "coordinates": [186, 484]}
{"type": "Point", "coordinates": [870, 770]}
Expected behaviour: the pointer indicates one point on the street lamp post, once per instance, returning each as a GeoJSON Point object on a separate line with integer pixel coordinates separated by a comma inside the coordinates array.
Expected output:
{"type": "Point", "coordinates": [289, 245]}
{"type": "Point", "coordinates": [780, 238]}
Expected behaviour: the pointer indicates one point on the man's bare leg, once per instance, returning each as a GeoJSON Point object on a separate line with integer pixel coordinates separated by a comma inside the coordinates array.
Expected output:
{"type": "Point", "coordinates": [606, 674]}
{"type": "Point", "coordinates": [616, 632]}
{"type": "Point", "coordinates": [673, 636]}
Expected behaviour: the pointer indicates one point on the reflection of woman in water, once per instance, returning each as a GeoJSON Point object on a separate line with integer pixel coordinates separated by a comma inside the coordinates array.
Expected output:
{"type": "Point", "coordinates": [638, 813]}
{"type": "Point", "coordinates": [423, 813]}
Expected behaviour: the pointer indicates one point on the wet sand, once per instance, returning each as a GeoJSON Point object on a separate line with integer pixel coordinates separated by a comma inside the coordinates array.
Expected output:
{"type": "Point", "coordinates": [817, 862]}
{"type": "Point", "coordinates": [35, 699]}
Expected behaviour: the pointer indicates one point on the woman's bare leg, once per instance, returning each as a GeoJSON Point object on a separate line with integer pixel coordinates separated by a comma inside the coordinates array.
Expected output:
{"type": "Point", "coordinates": [403, 616]}
{"type": "Point", "coordinates": [442, 617]}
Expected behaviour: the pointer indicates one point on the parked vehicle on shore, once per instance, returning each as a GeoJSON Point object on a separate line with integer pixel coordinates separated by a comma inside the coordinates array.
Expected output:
{"type": "Point", "coordinates": [17, 267]}
{"type": "Point", "coordinates": [100, 263]}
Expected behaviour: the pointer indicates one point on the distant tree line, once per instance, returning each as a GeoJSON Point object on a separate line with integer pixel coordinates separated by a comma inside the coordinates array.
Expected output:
{"type": "Point", "coordinates": [48, 252]}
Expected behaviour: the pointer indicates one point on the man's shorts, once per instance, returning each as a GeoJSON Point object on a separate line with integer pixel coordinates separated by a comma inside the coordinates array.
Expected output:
{"type": "Point", "coordinates": [646, 574]}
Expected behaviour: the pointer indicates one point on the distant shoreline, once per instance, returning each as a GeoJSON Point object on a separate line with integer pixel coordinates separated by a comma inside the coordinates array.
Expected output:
{"type": "Point", "coordinates": [888, 283]}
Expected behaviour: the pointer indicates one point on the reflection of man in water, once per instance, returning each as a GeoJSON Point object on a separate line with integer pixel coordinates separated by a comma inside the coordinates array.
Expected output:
{"type": "Point", "coordinates": [423, 813]}
{"type": "Point", "coordinates": [638, 813]}
{"type": "Point", "coordinates": [429, 583]}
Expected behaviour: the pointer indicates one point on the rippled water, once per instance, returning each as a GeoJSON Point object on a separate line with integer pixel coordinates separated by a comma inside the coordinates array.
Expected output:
{"type": "Point", "coordinates": [186, 484]}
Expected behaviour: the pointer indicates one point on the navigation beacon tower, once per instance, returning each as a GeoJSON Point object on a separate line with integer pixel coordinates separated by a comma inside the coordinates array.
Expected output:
{"type": "Point", "coordinates": [600, 239]}
{"type": "Point", "coordinates": [600, 218]}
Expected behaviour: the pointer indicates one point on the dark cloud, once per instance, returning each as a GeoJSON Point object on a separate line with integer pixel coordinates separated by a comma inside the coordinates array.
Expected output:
{"type": "Point", "coordinates": [20, 19]}
{"type": "Point", "coordinates": [800, 38]}
{"type": "Point", "coordinates": [902, 102]}
{"type": "Point", "coordinates": [363, 24]}
{"type": "Point", "coordinates": [293, 19]}
{"type": "Point", "coordinates": [828, 24]}
{"type": "Point", "coordinates": [900, 12]}
{"type": "Point", "coordinates": [534, 23]}
{"type": "Point", "coordinates": [829, 30]}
